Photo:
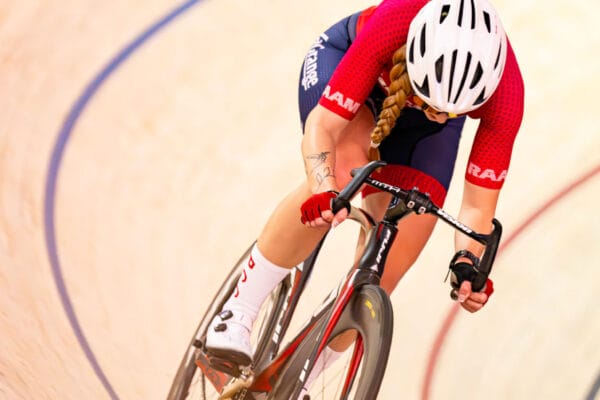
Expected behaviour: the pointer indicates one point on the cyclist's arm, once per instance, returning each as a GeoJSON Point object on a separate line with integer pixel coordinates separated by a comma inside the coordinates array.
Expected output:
{"type": "Point", "coordinates": [321, 133]}
{"type": "Point", "coordinates": [477, 211]}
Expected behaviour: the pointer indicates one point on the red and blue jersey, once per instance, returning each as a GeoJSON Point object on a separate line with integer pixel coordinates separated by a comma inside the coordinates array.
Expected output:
{"type": "Point", "coordinates": [383, 29]}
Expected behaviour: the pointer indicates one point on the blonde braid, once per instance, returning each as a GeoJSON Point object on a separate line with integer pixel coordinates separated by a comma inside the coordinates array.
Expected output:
{"type": "Point", "coordinates": [399, 90]}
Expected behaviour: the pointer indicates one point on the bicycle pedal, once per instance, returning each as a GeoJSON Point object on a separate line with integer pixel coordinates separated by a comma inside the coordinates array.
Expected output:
{"type": "Point", "coordinates": [228, 366]}
{"type": "Point", "coordinates": [236, 385]}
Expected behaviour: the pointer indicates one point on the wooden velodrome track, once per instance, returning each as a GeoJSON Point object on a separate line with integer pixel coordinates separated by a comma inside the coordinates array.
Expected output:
{"type": "Point", "coordinates": [144, 143]}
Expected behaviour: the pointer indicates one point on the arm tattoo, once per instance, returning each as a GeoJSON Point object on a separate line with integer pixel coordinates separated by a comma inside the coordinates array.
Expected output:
{"type": "Point", "coordinates": [320, 174]}
{"type": "Point", "coordinates": [318, 159]}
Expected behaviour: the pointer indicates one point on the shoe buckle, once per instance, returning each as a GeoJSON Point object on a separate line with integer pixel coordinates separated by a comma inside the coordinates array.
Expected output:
{"type": "Point", "coordinates": [225, 315]}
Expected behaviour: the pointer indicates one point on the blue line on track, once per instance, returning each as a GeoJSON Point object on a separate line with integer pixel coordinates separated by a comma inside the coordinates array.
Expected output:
{"type": "Point", "coordinates": [54, 169]}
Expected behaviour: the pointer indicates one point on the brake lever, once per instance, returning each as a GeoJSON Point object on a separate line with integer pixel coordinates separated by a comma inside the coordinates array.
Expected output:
{"type": "Point", "coordinates": [359, 175]}
{"type": "Point", "coordinates": [489, 255]}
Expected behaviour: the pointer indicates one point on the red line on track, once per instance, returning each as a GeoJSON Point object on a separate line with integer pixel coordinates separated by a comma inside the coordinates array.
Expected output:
{"type": "Point", "coordinates": [453, 312]}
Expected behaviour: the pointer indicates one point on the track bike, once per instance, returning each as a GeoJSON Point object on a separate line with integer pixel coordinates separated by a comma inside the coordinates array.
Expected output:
{"type": "Point", "coordinates": [357, 304]}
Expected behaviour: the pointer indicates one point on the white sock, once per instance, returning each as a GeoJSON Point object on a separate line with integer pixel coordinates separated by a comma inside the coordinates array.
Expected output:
{"type": "Point", "coordinates": [259, 278]}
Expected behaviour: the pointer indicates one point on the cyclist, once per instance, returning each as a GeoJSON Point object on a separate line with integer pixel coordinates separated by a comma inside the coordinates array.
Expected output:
{"type": "Point", "coordinates": [395, 81]}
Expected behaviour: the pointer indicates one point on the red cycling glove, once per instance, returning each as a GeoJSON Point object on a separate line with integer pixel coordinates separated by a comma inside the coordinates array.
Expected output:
{"type": "Point", "coordinates": [489, 288]}
{"type": "Point", "coordinates": [312, 208]}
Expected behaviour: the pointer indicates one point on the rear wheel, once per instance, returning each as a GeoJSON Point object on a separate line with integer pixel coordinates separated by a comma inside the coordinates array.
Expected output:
{"type": "Point", "coordinates": [204, 383]}
{"type": "Point", "coordinates": [370, 314]}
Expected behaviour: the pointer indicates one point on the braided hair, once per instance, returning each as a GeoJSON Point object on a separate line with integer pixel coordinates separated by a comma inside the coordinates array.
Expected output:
{"type": "Point", "coordinates": [399, 90]}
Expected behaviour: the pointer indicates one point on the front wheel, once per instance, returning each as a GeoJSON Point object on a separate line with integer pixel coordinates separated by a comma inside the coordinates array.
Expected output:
{"type": "Point", "coordinates": [369, 313]}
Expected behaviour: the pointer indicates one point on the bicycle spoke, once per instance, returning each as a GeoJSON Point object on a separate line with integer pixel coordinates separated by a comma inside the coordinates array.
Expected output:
{"type": "Point", "coordinates": [330, 383]}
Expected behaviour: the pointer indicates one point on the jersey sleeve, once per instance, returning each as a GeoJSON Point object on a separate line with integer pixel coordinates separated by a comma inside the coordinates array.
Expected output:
{"type": "Point", "coordinates": [500, 120]}
{"type": "Point", "coordinates": [385, 31]}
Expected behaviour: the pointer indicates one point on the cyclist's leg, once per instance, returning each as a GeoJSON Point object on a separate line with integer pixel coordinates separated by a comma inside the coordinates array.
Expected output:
{"type": "Point", "coordinates": [283, 243]}
{"type": "Point", "coordinates": [285, 240]}
{"type": "Point", "coordinates": [228, 336]}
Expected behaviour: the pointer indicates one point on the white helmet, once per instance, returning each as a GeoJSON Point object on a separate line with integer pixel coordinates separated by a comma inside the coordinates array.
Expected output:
{"type": "Point", "coordinates": [456, 51]}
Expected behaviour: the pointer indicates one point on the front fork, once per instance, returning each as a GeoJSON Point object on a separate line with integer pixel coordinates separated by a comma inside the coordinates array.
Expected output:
{"type": "Point", "coordinates": [369, 271]}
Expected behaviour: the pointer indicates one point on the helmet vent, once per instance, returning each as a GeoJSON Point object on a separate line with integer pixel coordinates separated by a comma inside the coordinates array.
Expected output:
{"type": "Point", "coordinates": [477, 76]}
{"type": "Point", "coordinates": [460, 12]}
{"type": "Point", "coordinates": [439, 68]}
{"type": "Point", "coordinates": [472, 14]}
{"type": "Point", "coordinates": [424, 88]}
{"type": "Point", "coordinates": [480, 99]}
{"type": "Point", "coordinates": [488, 24]}
{"type": "Point", "coordinates": [452, 68]}
{"type": "Point", "coordinates": [422, 44]}
{"type": "Point", "coordinates": [464, 77]}
{"type": "Point", "coordinates": [411, 52]}
{"type": "Point", "coordinates": [498, 56]}
{"type": "Point", "coordinates": [445, 12]}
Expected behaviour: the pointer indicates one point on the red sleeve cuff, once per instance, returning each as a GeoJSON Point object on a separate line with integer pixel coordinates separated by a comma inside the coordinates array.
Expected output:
{"type": "Point", "coordinates": [334, 101]}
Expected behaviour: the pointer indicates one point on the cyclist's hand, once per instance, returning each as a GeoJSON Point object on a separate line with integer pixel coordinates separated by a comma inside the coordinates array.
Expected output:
{"type": "Point", "coordinates": [474, 301]}
{"type": "Point", "coordinates": [316, 210]}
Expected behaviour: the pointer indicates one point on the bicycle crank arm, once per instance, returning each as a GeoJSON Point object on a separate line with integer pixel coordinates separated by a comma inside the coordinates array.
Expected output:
{"type": "Point", "coordinates": [236, 385]}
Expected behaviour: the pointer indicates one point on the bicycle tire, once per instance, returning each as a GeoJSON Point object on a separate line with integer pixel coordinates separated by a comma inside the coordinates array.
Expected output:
{"type": "Point", "coordinates": [370, 313]}
{"type": "Point", "coordinates": [188, 371]}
